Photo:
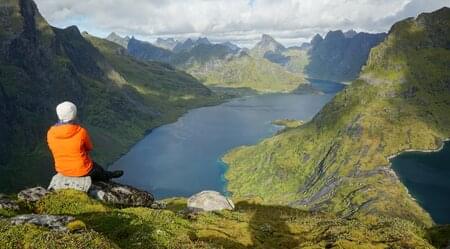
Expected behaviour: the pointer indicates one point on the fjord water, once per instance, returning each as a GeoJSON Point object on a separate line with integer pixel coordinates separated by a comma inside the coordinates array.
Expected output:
{"type": "Point", "coordinates": [184, 157]}
{"type": "Point", "coordinates": [427, 177]}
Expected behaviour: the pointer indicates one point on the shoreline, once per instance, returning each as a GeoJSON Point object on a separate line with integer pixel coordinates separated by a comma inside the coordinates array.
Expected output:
{"type": "Point", "coordinates": [445, 140]}
{"type": "Point", "coordinates": [419, 150]}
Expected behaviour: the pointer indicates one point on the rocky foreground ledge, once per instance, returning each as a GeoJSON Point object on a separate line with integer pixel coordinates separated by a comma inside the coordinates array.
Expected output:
{"type": "Point", "coordinates": [111, 215]}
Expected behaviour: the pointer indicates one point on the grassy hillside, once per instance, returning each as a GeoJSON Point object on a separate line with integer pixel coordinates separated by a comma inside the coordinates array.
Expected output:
{"type": "Point", "coordinates": [251, 225]}
{"type": "Point", "coordinates": [298, 60]}
{"type": "Point", "coordinates": [253, 72]}
{"type": "Point", "coordinates": [119, 98]}
{"type": "Point", "coordinates": [338, 162]}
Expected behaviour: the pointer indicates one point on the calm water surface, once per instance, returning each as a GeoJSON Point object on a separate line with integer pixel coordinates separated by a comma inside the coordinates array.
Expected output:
{"type": "Point", "coordinates": [427, 177]}
{"type": "Point", "coordinates": [183, 158]}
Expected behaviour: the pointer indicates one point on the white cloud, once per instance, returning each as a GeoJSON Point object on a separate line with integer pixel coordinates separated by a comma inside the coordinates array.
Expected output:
{"type": "Point", "coordinates": [241, 21]}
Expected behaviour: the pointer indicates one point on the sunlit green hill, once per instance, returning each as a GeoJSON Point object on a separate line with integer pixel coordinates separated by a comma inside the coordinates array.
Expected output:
{"type": "Point", "coordinates": [254, 73]}
{"type": "Point", "coordinates": [338, 162]}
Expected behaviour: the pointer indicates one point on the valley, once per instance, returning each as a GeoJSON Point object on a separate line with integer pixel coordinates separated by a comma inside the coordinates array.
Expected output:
{"type": "Point", "coordinates": [300, 160]}
{"type": "Point", "coordinates": [184, 157]}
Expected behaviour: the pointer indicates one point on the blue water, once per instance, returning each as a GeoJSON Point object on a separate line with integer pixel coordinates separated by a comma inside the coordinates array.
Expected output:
{"type": "Point", "coordinates": [427, 177]}
{"type": "Point", "coordinates": [183, 158]}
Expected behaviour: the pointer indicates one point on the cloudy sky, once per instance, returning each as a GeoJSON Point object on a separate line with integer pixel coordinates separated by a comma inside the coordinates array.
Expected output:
{"type": "Point", "coordinates": [239, 21]}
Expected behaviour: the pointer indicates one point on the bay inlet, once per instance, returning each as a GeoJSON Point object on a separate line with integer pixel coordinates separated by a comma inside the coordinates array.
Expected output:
{"type": "Point", "coordinates": [184, 157]}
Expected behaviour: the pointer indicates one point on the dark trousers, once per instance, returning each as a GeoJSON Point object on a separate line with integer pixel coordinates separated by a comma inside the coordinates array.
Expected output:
{"type": "Point", "coordinates": [99, 174]}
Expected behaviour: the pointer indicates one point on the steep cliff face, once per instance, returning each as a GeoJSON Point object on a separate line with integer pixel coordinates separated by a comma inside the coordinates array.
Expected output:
{"type": "Point", "coordinates": [339, 161]}
{"type": "Point", "coordinates": [168, 43]}
{"type": "Point", "coordinates": [340, 56]}
{"type": "Point", "coordinates": [42, 66]}
{"type": "Point", "coordinates": [148, 52]}
{"type": "Point", "coordinates": [122, 41]}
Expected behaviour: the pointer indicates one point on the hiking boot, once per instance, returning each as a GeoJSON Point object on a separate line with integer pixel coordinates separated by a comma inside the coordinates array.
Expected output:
{"type": "Point", "coordinates": [116, 174]}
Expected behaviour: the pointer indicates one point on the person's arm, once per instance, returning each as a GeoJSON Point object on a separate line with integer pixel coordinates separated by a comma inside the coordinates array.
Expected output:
{"type": "Point", "coordinates": [87, 141]}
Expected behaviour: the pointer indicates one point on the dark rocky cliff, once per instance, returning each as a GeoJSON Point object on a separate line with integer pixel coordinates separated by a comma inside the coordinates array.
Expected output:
{"type": "Point", "coordinates": [41, 66]}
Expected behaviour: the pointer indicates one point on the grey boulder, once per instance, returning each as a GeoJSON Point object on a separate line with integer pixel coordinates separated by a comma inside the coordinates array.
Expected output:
{"type": "Point", "coordinates": [119, 194]}
{"type": "Point", "coordinates": [207, 201]}
{"type": "Point", "coordinates": [54, 222]}
{"type": "Point", "coordinates": [32, 194]}
{"type": "Point", "coordinates": [6, 203]}
{"type": "Point", "coordinates": [66, 182]}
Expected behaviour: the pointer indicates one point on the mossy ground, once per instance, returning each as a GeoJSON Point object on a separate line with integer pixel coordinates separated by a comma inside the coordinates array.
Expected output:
{"type": "Point", "coordinates": [251, 225]}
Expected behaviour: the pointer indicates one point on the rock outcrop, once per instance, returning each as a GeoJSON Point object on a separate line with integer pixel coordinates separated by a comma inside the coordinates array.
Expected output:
{"type": "Point", "coordinates": [207, 201]}
{"type": "Point", "coordinates": [108, 192]}
{"type": "Point", "coordinates": [54, 222]}
{"type": "Point", "coordinates": [6, 203]}
{"type": "Point", "coordinates": [66, 182]}
{"type": "Point", "coordinates": [32, 194]}
{"type": "Point", "coordinates": [119, 194]}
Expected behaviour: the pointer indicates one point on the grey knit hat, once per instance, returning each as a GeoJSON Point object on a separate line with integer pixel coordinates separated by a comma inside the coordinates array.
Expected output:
{"type": "Point", "coordinates": [66, 111]}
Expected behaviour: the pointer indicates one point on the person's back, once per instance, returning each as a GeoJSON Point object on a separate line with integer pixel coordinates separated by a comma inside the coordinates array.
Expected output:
{"type": "Point", "coordinates": [70, 145]}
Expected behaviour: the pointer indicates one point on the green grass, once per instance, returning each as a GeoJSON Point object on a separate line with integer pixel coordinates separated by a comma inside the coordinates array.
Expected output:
{"type": "Point", "coordinates": [252, 224]}
{"type": "Point", "coordinates": [298, 60]}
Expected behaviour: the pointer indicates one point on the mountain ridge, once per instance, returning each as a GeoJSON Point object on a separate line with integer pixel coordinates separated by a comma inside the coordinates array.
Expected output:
{"type": "Point", "coordinates": [340, 56]}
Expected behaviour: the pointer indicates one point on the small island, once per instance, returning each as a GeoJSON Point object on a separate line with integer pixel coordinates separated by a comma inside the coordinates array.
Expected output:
{"type": "Point", "coordinates": [288, 123]}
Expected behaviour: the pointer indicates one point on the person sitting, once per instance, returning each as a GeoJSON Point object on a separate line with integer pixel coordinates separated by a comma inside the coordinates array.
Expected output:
{"type": "Point", "coordinates": [70, 145]}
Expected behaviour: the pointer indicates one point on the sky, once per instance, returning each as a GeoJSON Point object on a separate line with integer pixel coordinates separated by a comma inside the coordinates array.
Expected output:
{"type": "Point", "coordinates": [291, 22]}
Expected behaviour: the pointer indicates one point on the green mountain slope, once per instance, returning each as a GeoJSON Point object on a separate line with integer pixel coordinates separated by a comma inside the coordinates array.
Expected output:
{"type": "Point", "coordinates": [297, 60]}
{"type": "Point", "coordinates": [338, 162]}
{"type": "Point", "coordinates": [251, 72]}
{"type": "Point", "coordinates": [119, 98]}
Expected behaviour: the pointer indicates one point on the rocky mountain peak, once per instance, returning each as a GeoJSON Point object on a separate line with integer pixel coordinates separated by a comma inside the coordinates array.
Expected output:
{"type": "Point", "coordinates": [268, 44]}
{"type": "Point", "coordinates": [122, 41]}
{"type": "Point", "coordinates": [350, 33]}
{"type": "Point", "coordinates": [335, 35]}
{"type": "Point", "coordinates": [231, 46]}
{"type": "Point", "coordinates": [316, 40]}
{"type": "Point", "coordinates": [202, 40]}
{"type": "Point", "coordinates": [269, 40]}
{"type": "Point", "coordinates": [168, 43]}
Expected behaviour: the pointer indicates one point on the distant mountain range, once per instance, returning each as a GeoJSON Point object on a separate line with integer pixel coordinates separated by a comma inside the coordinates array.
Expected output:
{"type": "Point", "coordinates": [337, 57]}
{"type": "Point", "coordinates": [221, 64]}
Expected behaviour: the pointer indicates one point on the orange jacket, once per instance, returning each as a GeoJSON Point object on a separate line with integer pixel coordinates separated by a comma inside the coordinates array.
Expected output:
{"type": "Point", "coordinates": [70, 145]}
